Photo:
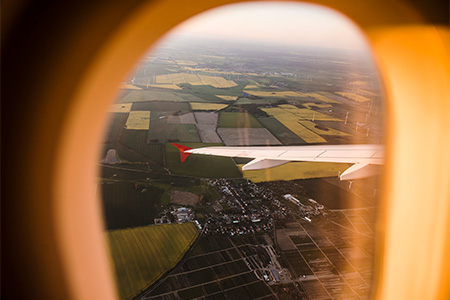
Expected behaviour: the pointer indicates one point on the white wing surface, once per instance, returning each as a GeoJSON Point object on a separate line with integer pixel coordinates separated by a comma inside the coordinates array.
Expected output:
{"type": "Point", "coordinates": [365, 158]}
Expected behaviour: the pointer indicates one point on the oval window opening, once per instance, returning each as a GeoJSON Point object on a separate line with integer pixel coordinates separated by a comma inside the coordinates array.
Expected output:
{"type": "Point", "coordinates": [243, 158]}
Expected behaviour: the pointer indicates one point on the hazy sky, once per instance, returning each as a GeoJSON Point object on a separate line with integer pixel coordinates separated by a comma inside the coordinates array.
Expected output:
{"type": "Point", "coordinates": [282, 22]}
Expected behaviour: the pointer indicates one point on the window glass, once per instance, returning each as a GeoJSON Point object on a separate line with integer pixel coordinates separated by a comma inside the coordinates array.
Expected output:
{"type": "Point", "coordinates": [296, 89]}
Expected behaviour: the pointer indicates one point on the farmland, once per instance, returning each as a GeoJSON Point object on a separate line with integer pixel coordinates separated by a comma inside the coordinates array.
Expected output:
{"type": "Point", "coordinates": [225, 97]}
{"type": "Point", "coordinates": [193, 79]}
{"type": "Point", "coordinates": [210, 94]}
{"type": "Point", "coordinates": [207, 106]}
{"type": "Point", "coordinates": [138, 120]}
{"type": "Point", "coordinates": [281, 132]}
{"type": "Point", "coordinates": [353, 96]}
{"type": "Point", "coordinates": [237, 120]}
{"type": "Point", "coordinates": [128, 205]}
{"type": "Point", "coordinates": [166, 86]}
{"type": "Point", "coordinates": [142, 255]}
{"type": "Point", "coordinates": [137, 141]}
{"type": "Point", "coordinates": [120, 108]}
{"type": "Point", "coordinates": [291, 122]}
{"type": "Point", "coordinates": [247, 137]}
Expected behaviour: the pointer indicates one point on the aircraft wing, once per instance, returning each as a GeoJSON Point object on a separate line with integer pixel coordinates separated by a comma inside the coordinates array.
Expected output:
{"type": "Point", "coordinates": [366, 158]}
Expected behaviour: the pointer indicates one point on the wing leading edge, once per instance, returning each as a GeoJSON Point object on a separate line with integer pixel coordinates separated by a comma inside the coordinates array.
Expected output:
{"type": "Point", "coordinates": [366, 158]}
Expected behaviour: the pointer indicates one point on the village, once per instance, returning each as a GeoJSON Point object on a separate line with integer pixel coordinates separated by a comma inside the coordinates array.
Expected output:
{"type": "Point", "coordinates": [243, 208]}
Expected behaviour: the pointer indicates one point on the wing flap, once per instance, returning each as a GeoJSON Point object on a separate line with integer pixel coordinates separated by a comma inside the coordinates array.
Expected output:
{"type": "Point", "coordinates": [360, 171]}
{"type": "Point", "coordinates": [261, 163]}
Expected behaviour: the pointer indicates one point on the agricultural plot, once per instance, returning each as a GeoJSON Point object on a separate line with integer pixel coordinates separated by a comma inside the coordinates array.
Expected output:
{"type": "Point", "coordinates": [283, 94]}
{"type": "Point", "coordinates": [193, 79]}
{"type": "Point", "coordinates": [281, 132]}
{"type": "Point", "coordinates": [208, 134]}
{"type": "Point", "coordinates": [264, 101]}
{"type": "Point", "coordinates": [305, 113]}
{"type": "Point", "coordinates": [161, 132]}
{"type": "Point", "coordinates": [138, 119]}
{"type": "Point", "coordinates": [120, 108]}
{"type": "Point", "coordinates": [318, 96]}
{"type": "Point", "coordinates": [207, 106]}
{"type": "Point", "coordinates": [226, 97]}
{"type": "Point", "coordinates": [237, 120]}
{"type": "Point", "coordinates": [206, 118]}
{"type": "Point", "coordinates": [165, 106]}
{"type": "Point", "coordinates": [310, 104]}
{"type": "Point", "coordinates": [354, 96]}
{"type": "Point", "coordinates": [295, 170]}
{"type": "Point", "coordinates": [126, 205]}
{"type": "Point", "coordinates": [190, 97]}
{"type": "Point", "coordinates": [322, 130]}
{"type": "Point", "coordinates": [165, 86]}
{"type": "Point", "coordinates": [149, 95]}
{"type": "Point", "coordinates": [291, 122]}
{"type": "Point", "coordinates": [204, 166]}
{"type": "Point", "coordinates": [116, 126]}
{"type": "Point", "coordinates": [142, 255]}
{"type": "Point", "coordinates": [136, 140]}
{"type": "Point", "coordinates": [186, 63]}
{"type": "Point", "coordinates": [213, 270]}
{"type": "Point", "coordinates": [247, 137]}
{"type": "Point", "coordinates": [187, 118]}
{"type": "Point", "coordinates": [252, 86]}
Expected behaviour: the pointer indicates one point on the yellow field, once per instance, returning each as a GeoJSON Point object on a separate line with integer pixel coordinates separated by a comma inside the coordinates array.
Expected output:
{"type": "Point", "coordinates": [309, 104]}
{"type": "Point", "coordinates": [177, 78]}
{"type": "Point", "coordinates": [186, 63]}
{"type": "Point", "coordinates": [138, 120]}
{"type": "Point", "coordinates": [295, 170]}
{"type": "Point", "coordinates": [318, 97]}
{"type": "Point", "coordinates": [167, 61]}
{"type": "Point", "coordinates": [120, 108]}
{"type": "Point", "coordinates": [166, 86]}
{"type": "Point", "coordinates": [311, 126]}
{"type": "Point", "coordinates": [163, 79]}
{"type": "Point", "coordinates": [358, 82]}
{"type": "Point", "coordinates": [354, 96]}
{"type": "Point", "coordinates": [207, 106]}
{"type": "Point", "coordinates": [142, 255]}
{"type": "Point", "coordinates": [129, 87]}
{"type": "Point", "coordinates": [273, 94]}
{"type": "Point", "coordinates": [291, 121]}
{"type": "Point", "coordinates": [213, 56]}
{"type": "Point", "coordinates": [306, 113]}
{"type": "Point", "coordinates": [252, 86]}
{"type": "Point", "coordinates": [225, 97]}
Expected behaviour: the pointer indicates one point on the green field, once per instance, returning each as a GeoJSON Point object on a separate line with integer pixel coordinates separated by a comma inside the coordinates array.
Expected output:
{"type": "Point", "coordinates": [204, 166]}
{"type": "Point", "coordinates": [142, 255]}
{"type": "Point", "coordinates": [237, 120]}
{"type": "Point", "coordinates": [161, 132]}
{"type": "Point", "coordinates": [126, 204]}
{"type": "Point", "coordinates": [136, 140]}
{"type": "Point", "coordinates": [281, 132]}
{"type": "Point", "coordinates": [115, 127]}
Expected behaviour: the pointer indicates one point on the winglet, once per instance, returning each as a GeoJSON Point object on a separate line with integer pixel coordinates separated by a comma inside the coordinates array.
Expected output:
{"type": "Point", "coordinates": [183, 154]}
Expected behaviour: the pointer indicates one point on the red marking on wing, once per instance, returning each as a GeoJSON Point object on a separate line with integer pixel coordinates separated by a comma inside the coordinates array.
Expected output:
{"type": "Point", "coordinates": [183, 155]}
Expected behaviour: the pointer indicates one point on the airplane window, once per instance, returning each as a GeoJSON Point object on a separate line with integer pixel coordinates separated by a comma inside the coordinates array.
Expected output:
{"type": "Point", "coordinates": [243, 158]}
